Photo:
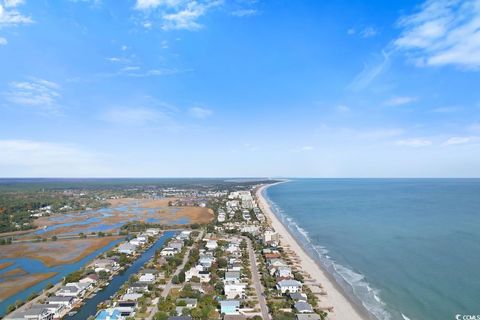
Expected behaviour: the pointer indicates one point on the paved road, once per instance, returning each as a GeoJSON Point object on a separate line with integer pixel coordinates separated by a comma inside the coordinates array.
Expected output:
{"type": "Point", "coordinates": [170, 285]}
{"type": "Point", "coordinates": [256, 280]}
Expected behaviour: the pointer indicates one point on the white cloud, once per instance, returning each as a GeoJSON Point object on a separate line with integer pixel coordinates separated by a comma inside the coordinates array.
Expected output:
{"type": "Point", "coordinates": [443, 32]}
{"type": "Point", "coordinates": [370, 72]}
{"type": "Point", "coordinates": [118, 60]}
{"type": "Point", "coordinates": [369, 32]}
{"type": "Point", "coordinates": [152, 4]}
{"type": "Point", "coordinates": [200, 113]}
{"type": "Point", "coordinates": [13, 3]}
{"type": "Point", "coordinates": [342, 109]}
{"type": "Point", "coordinates": [176, 14]}
{"type": "Point", "coordinates": [378, 134]}
{"type": "Point", "coordinates": [461, 140]}
{"type": "Point", "coordinates": [414, 143]}
{"type": "Point", "coordinates": [3, 41]}
{"type": "Point", "coordinates": [450, 109]}
{"type": "Point", "coordinates": [245, 12]}
{"type": "Point", "coordinates": [400, 101]}
{"type": "Point", "coordinates": [134, 116]}
{"type": "Point", "coordinates": [36, 93]}
{"type": "Point", "coordinates": [10, 17]}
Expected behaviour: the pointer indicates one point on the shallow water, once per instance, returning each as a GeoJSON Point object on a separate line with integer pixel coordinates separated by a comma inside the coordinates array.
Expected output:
{"type": "Point", "coordinates": [400, 247]}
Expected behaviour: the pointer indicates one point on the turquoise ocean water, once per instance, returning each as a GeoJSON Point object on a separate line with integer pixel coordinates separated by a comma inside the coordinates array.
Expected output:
{"type": "Point", "coordinates": [403, 248]}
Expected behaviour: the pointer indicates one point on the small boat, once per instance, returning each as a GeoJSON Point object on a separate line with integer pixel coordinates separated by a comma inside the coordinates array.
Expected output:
{"type": "Point", "coordinates": [72, 313]}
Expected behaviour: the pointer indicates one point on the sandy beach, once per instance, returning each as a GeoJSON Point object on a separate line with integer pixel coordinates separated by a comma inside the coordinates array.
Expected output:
{"type": "Point", "coordinates": [343, 308]}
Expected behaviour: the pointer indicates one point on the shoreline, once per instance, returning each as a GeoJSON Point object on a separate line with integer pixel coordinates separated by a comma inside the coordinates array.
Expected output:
{"type": "Point", "coordinates": [342, 305]}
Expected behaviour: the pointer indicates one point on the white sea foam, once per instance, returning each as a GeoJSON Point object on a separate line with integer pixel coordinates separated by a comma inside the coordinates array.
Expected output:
{"type": "Point", "coordinates": [354, 284]}
{"type": "Point", "coordinates": [405, 317]}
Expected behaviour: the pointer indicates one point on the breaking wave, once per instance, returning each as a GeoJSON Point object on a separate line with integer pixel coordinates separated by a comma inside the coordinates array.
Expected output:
{"type": "Point", "coordinates": [354, 284]}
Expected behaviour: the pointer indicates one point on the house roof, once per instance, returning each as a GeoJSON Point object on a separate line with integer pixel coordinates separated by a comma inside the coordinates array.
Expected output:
{"type": "Point", "coordinates": [230, 303]}
{"type": "Point", "coordinates": [308, 316]}
{"type": "Point", "coordinates": [234, 317]}
{"type": "Point", "coordinates": [289, 283]}
{"type": "Point", "coordinates": [303, 306]}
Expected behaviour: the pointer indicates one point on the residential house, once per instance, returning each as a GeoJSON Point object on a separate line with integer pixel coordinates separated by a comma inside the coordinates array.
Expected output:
{"type": "Point", "coordinates": [230, 307]}
{"type": "Point", "coordinates": [65, 301]}
{"type": "Point", "coordinates": [297, 296]}
{"type": "Point", "coordinates": [189, 303]}
{"type": "Point", "coordinates": [234, 290]}
{"type": "Point", "coordinates": [211, 245]}
{"type": "Point", "coordinates": [303, 307]}
{"type": "Point", "coordinates": [127, 248]}
{"type": "Point", "coordinates": [308, 316]}
{"type": "Point", "coordinates": [56, 309]}
{"type": "Point", "coordinates": [289, 286]}
{"type": "Point", "coordinates": [284, 272]}
{"type": "Point", "coordinates": [90, 279]}
{"type": "Point", "coordinates": [31, 314]}
{"type": "Point", "coordinates": [109, 314]}
{"type": "Point", "coordinates": [232, 276]}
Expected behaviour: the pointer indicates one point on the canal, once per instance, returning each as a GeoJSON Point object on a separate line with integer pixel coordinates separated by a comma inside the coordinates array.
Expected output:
{"type": "Point", "coordinates": [90, 306]}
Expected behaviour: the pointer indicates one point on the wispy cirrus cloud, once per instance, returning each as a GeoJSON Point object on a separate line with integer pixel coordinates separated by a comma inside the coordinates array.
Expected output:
{"type": "Point", "coordinates": [442, 32]}
{"type": "Point", "coordinates": [399, 101]}
{"type": "Point", "coordinates": [200, 113]}
{"type": "Point", "coordinates": [414, 143]}
{"type": "Point", "coordinates": [370, 72]}
{"type": "Point", "coordinates": [366, 32]}
{"type": "Point", "coordinates": [176, 14]}
{"type": "Point", "coordinates": [35, 92]}
{"type": "Point", "coordinates": [245, 12]}
{"type": "Point", "coordinates": [461, 140]}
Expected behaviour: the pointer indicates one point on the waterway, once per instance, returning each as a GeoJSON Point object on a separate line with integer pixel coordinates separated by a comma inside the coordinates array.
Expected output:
{"type": "Point", "coordinates": [90, 306]}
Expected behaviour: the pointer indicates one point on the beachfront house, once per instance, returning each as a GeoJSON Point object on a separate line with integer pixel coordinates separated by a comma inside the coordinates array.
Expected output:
{"type": "Point", "coordinates": [230, 307]}
{"type": "Point", "coordinates": [289, 286]}
{"type": "Point", "coordinates": [297, 296]}
{"type": "Point", "coordinates": [284, 272]}
{"type": "Point", "coordinates": [303, 307]}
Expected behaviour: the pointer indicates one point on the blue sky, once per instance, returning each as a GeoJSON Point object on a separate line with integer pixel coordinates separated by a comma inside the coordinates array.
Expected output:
{"type": "Point", "coordinates": [173, 88]}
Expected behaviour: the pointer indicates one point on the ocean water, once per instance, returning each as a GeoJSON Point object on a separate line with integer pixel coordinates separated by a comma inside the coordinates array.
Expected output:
{"type": "Point", "coordinates": [403, 248]}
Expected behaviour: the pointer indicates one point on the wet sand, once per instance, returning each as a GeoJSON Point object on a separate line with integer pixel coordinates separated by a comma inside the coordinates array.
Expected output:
{"type": "Point", "coordinates": [17, 284]}
{"type": "Point", "coordinates": [53, 253]}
